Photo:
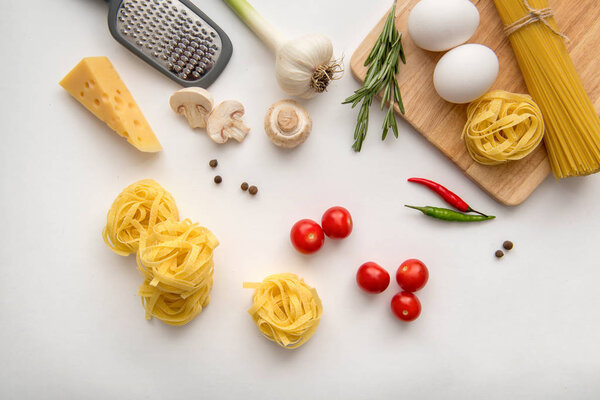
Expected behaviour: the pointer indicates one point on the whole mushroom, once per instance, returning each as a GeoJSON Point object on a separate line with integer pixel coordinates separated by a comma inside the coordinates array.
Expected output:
{"type": "Point", "coordinates": [194, 103]}
{"type": "Point", "coordinates": [287, 124]}
{"type": "Point", "coordinates": [225, 122]}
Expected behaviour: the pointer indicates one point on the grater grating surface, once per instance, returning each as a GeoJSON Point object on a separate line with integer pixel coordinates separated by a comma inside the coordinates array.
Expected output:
{"type": "Point", "coordinates": [173, 36]}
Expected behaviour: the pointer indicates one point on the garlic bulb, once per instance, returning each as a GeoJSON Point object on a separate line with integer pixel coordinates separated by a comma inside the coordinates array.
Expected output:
{"type": "Point", "coordinates": [304, 66]}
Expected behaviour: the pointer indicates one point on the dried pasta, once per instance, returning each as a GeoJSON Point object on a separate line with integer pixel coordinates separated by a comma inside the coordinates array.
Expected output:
{"type": "Point", "coordinates": [572, 126]}
{"type": "Point", "coordinates": [502, 127]}
{"type": "Point", "coordinates": [285, 309]}
{"type": "Point", "coordinates": [171, 308]}
{"type": "Point", "coordinates": [135, 211]}
{"type": "Point", "coordinates": [176, 259]}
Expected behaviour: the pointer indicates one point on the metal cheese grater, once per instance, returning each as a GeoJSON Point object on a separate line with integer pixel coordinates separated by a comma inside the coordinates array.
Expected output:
{"type": "Point", "coordinates": [173, 36]}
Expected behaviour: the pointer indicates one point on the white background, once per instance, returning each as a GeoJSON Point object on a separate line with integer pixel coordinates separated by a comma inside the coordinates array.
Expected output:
{"type": "Point", "coordinates": [72, 327]}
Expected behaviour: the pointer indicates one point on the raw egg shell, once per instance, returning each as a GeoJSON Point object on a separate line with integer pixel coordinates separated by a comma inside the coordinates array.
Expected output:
{"type": "Point", "coordinates": [465, 73]}
{"type": "Point", "coordinates": [439, 25]}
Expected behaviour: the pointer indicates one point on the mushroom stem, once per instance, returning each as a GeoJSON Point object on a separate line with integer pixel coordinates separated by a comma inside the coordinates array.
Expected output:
{"type": "Point", "coordinates": [238, 130]}
{"type": "Point", "coordinates": [287, 120]}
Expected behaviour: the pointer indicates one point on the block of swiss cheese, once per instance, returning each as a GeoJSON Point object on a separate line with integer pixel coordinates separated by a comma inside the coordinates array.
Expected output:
{"type": "Point", "coordinates": [95, 83]}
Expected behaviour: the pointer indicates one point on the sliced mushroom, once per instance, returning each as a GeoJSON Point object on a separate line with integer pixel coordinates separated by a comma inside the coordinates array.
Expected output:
{"type": "Point", "coordinates": [225, 122]}
{"type": "Point", "coordinates": [287, 124]}
{"type": "Point", "coordinates": [194, 103]}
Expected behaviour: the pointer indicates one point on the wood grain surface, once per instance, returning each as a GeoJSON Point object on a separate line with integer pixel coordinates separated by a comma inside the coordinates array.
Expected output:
{"type": "Point", "coordinates": [441, 123]}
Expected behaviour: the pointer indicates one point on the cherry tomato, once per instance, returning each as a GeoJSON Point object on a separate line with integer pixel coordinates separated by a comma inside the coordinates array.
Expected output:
{"type": "Point", "coordinates": [412, 275]}
{"type": "Point", "coordinates": [337, 223]}
{"type": "Point", "coordinates": [406, 306]}
{"type": "Point", "coordinates": [372, 278]}
{"type": "Point", "coordinates": [307, 236]}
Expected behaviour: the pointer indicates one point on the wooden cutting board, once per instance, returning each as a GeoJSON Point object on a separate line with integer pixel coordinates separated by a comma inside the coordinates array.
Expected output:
{"type": "Point", "coordinates": [441, 123]}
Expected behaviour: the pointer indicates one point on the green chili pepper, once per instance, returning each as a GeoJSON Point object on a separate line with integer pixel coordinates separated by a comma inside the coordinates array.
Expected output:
{"type": "Point", "coordinates": [451, 215]}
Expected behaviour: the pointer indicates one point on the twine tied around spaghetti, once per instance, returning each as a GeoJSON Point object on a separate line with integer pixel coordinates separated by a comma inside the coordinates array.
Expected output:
{"type": "Point", "coordinates": [532, 16]}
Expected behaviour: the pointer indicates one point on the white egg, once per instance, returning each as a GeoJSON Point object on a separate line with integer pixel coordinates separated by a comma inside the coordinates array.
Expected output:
{"type": "Point", "coordinates": [465, 73]}
{"type": "Point", "coordinates": [439, 25]}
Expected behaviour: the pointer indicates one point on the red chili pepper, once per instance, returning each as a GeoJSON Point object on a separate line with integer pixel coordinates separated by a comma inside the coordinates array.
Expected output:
{"type": "Point", "coordinates": [448, 196]}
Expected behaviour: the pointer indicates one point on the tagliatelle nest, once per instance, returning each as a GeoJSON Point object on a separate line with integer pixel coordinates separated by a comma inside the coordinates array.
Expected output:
{"type": "Point", "coordinates": [285, 309]}
{"type": "Point", "coordinates": [171, 308]}
{"type": "Point", "coordinates": [176, 260]}
{"type": "Point", "coordinates": [134, 212]}
{"type": "Point", "coordinates": [502, 127]}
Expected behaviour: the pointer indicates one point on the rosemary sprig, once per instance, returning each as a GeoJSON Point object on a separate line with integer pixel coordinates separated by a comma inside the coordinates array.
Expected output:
{"type": "Point", "coordinates": [383, 63]}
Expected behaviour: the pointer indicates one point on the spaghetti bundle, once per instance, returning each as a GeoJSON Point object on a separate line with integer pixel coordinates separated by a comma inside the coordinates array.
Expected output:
{"type": "Point", "coordinates": [285, 309]}
{"type": "Point", "coordinates": [572, 126]}
{"type": "Point", "coordinates": [177, 264]}
{"type": "Point", "coordinates": [502, 127]}
{"type": "Point", "coordinates": [135, 211]}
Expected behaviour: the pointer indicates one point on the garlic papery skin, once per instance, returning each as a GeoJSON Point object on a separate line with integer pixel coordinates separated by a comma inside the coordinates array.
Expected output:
{"type": "Point", "coordinates": [305, 66]}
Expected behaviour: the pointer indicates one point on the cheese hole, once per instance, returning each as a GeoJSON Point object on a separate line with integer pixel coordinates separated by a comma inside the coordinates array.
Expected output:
{"type": "Point", "coordinates": [118, 100]}
{"type": "Point", "coordinates": [104, 97]}
{"type": "Point", "coordinates": [97, 102]}
{"type": "Point", "coordinates": [81, 94]}
{"type": "Point", "coordinates": [139, 139]}
{"type": "Point", "coordinates": [131, 105]}
{"type": "Point", "coordinates": [92, 83]}
{"type": "Point", "coordinates": [125, 134]}
{"type": "Point", "coordinates": [87, 85]}
{"type": "Point", "coordinates": [136, 122]}
{"type": "Point", "coordinates": [118, 91]}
